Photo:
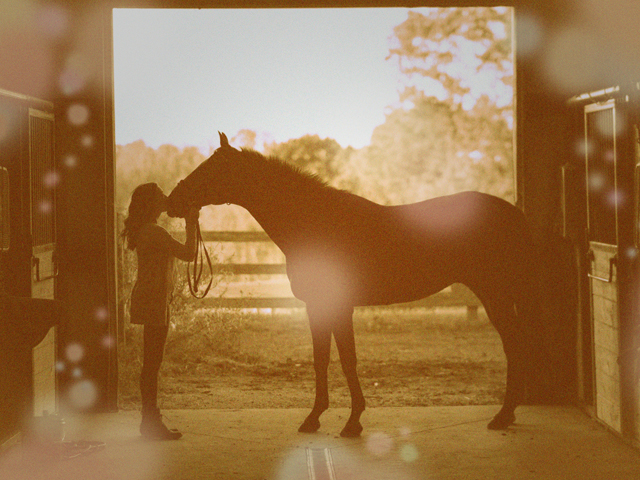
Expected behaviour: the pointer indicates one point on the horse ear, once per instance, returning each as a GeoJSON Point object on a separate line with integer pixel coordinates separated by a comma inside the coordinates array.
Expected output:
{"type": "Point", "coordinates": [223, 140]}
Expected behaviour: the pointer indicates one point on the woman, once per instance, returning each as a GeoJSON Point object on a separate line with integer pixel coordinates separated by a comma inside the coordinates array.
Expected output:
{"type": "Point", "coordinates": [152, 292]}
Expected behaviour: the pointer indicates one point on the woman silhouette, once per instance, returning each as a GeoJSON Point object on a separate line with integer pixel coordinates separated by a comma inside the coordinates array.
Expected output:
{"type": "Point", "coordinates": [153, 290]}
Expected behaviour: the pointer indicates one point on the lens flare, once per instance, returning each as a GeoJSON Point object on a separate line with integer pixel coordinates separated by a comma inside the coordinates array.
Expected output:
{"type": "Point", "coordinates": [108, 341]}
{"type": "Point", "coordinates": [409, 453]}
{"type": "Point", "coordinates": [78, 114]}
{"type": "Point", "coordinates": [102, 313]}
{"type": "Point", "coordinates": [582, 147]}
{"type": "Point", "coordinates": [51, 179]}
{"type": "Point", "coordinates": [87, 141]}
{"type": "Point", "coordinates": [83, 394]}
{"type": "Point", "coordinates": [74, 76]}
{"type": "Point", "coordinates": [529, 34]}
{"type": "Point", "coordinates": [45, 207]}
{"type": "Point", "coordinates": [74, 352]}
{"type": "Point", "coordinates": [70, 161]}
{"type": "Point", "coordinates": [615, 198]}
{"type": "Point", "coordinates": [596, 181]}
{"type": "Point", "coordinates": [379, 444]}
{"type": "Point", "coordinates": [52, 21]}
{"type": "Point", "coordinates": [71, 81]}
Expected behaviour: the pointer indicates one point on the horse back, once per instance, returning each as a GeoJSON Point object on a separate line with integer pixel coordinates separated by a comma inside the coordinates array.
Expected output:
{"type": "Point", "coordinates": [390, 254]}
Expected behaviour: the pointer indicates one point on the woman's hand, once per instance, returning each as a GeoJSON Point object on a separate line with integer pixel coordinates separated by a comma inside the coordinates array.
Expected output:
{"type": "Point", "coordinates": [192, 215]}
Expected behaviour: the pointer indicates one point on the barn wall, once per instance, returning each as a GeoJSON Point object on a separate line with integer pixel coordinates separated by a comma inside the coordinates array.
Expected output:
{"type": "Point", "coordinates": [67, 62]}
{"type": "Point", "coordinates": [86, 214]}
{"type": "Point", "coordinates": [542, 136]}
{"type": "Point", "coordinates": [27, 332]}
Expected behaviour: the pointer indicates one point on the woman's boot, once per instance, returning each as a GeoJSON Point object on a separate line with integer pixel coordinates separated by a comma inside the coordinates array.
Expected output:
{"type": "Point", "coordinates": [152, 427]}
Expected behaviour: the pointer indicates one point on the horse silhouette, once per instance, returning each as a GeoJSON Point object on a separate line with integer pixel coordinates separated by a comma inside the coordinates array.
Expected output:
{"type": "Point", "coordinates": [344, 251]}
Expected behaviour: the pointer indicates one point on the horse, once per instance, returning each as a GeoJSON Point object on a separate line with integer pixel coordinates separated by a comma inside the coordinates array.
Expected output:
{"type": "Point", "coordinates": [343, 251]}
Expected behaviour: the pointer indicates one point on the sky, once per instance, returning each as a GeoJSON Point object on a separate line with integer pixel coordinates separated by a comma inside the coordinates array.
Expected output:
{"type": "Point", "coordinates": [183, 75]}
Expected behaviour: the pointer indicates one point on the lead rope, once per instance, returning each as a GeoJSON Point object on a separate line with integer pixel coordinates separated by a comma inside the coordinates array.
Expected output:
{"type": "Point", "coordinates": [198, 266]}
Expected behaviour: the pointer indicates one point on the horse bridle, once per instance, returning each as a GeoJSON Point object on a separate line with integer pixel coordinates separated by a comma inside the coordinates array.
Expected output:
{"type": "Point", "coordinates": [198, 266]}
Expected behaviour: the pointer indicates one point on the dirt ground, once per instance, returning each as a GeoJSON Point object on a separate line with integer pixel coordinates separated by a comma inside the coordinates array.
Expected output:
{"type": "Point", "coordinates": [405, 358]}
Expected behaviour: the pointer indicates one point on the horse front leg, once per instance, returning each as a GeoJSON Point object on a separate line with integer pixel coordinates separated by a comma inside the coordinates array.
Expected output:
{"type": "Point", "coordinates": [321, 336]}
{"type": "Point", "coordinates": [343, 333]}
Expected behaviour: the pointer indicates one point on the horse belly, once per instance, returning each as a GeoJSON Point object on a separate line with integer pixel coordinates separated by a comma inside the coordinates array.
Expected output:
{"type": "Point", "coordinates": [404, 280]}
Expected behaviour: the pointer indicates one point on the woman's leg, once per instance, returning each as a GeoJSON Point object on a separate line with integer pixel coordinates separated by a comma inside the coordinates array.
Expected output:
{"type": "Point", "coordinates": [155, 337]}
{"type": "Point", "coordinates": [153, 352]}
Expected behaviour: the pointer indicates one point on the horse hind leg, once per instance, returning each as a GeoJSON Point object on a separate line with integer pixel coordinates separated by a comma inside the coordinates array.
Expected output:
{"type": "Point", "coordinates": [502, 314]}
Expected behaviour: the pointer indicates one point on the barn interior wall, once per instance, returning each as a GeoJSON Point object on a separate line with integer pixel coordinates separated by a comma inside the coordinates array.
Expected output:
{"type": "Point", "coordinates": [27, 331]}
{"type": "Point", "coordinates": [541, 150]}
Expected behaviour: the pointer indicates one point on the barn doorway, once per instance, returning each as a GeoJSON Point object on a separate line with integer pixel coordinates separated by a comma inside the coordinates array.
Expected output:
{"type": "Point", "coordinates": [377, 167]}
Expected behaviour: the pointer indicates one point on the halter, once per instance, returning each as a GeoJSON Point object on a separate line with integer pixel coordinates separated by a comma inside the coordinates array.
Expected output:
{"type": "Point", "coordinates": [198, 262]}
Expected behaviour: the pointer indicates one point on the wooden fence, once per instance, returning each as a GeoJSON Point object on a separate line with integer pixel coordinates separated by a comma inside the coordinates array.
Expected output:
{"type": "Point", "coordinates": [456, 296]}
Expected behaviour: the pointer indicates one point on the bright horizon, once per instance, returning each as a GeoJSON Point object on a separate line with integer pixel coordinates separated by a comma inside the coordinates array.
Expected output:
{"type": "Point", "coordinates": [183, 75]}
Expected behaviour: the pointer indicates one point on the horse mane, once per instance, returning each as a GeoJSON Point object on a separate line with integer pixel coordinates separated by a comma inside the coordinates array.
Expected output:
{"type": "Point", "coordinates": [284, 172]}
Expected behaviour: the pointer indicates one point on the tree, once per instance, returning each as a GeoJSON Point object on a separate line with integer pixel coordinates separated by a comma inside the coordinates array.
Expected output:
{"type": "Point", "coordinates": [459, 55]}
{"type": "Point", "coordinates": [312, 154]}
{"type": "Point", "coordinates": [454, 129]}
{"type": "Point", "coordinates": [245, 138]}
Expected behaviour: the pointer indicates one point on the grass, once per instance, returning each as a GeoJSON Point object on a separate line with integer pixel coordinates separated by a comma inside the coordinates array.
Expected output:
{"type": "Point", "coordinates": [234, 359]}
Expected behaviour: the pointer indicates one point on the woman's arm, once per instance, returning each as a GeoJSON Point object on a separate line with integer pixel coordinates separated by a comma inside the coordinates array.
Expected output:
{"type": "Point", "coordinates": [187, 252]}
{"type": "Point", "coordinates": [161, 239]}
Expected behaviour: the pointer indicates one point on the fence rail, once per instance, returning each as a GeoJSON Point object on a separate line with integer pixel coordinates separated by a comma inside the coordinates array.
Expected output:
{"type": "Point", "coordinates": [456, 296]}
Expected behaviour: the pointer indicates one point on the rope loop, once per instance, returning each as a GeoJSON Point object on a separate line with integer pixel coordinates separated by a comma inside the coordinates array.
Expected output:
{"type": "Point", "coordinates": [198, 266]}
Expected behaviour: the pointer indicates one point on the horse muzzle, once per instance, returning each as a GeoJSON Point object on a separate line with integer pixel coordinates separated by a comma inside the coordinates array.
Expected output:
{"type": "Point", "coordinates": [176, 209]}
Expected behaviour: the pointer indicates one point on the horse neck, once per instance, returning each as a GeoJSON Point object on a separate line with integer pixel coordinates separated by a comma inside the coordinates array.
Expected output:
{"type": "Point", "coordinates": [282, 206]}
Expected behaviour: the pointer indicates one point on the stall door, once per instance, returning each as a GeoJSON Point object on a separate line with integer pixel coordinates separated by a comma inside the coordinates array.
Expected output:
{"type": "Point", "coordinates": [602, 208]}
{"type": "Point", "coordinates": [42, 199]}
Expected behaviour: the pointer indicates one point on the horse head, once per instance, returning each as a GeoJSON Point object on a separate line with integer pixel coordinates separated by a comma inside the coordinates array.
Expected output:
{"type": "Point", "coordinates": [209, 184]}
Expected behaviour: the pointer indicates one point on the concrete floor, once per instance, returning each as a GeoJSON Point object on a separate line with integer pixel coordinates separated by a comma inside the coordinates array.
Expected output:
{"type": "Point", "coordinates": [398, 443]}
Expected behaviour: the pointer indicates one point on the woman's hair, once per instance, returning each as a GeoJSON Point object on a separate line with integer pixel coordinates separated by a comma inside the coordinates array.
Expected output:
{"type": "Point", "coordinates": [141, 210]}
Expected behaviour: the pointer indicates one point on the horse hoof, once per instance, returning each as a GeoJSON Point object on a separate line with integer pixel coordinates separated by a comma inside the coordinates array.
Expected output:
{"type": "Point", "coordinates": [501, 421]}
{"type": "Point", "coordinates": [351, 430]}
{"type": "Point", "coordinates": [309, 426]}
